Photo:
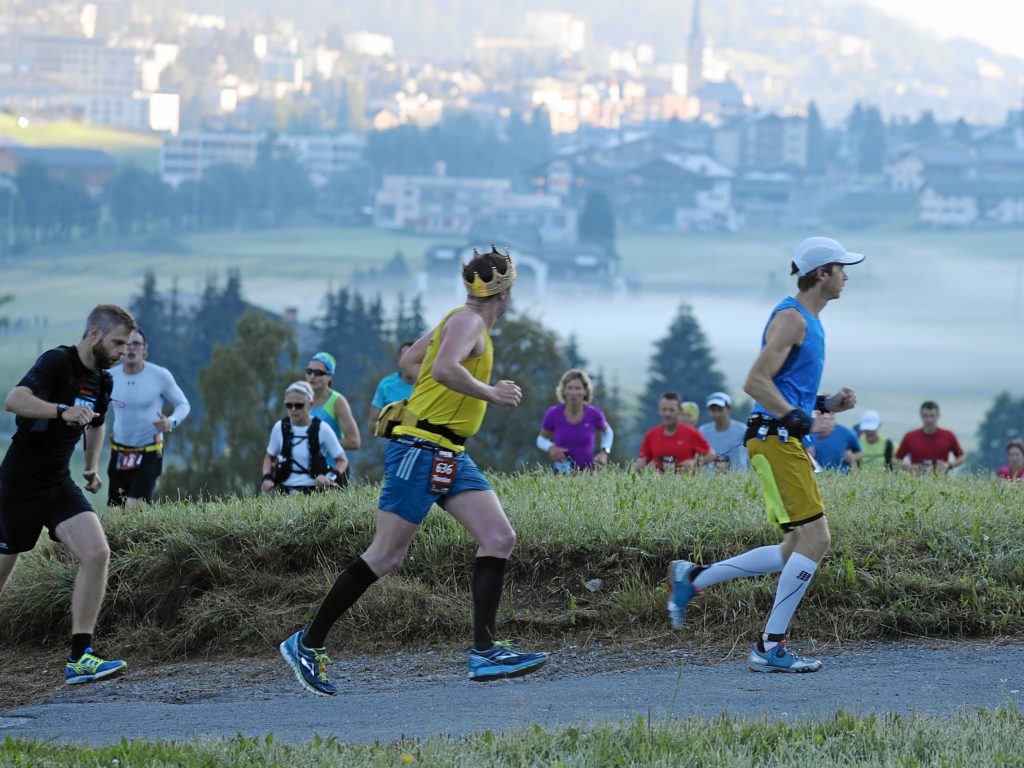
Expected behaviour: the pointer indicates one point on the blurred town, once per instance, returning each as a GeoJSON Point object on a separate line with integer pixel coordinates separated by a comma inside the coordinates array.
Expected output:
{"type": "Point", "coordinates": [541, 140]}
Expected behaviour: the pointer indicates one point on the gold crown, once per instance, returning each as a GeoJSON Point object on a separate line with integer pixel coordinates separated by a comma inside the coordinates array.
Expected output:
{"type": "Point", "coordinates": [499, 281]}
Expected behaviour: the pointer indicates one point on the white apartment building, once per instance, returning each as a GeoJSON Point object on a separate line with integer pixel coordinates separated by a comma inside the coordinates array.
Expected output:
{"type": "Point", "coordinates": [452, 205]}
{"type": "Point", "coordinates": [186, 156]}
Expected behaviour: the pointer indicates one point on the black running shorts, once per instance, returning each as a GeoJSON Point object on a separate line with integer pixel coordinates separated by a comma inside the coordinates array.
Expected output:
{"type": "Point", "coordinates": [24, 512]}
{"type": "Point", "coordinates": [138, 483]}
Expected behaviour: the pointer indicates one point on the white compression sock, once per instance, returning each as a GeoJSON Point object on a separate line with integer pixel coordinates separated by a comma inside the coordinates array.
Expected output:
{"type": "Point", "coordinates": [792, 584]}
{"type": "Point", "coordinates": [756, 562]}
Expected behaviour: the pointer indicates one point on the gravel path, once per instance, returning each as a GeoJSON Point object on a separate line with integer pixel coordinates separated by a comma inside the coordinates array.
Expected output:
{"type": "Point", "coordinates": [426, 694]}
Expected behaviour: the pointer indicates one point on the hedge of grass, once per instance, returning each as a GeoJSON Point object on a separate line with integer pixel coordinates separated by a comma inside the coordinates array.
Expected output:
{"type": "Point", "coordinates": [921, 556]}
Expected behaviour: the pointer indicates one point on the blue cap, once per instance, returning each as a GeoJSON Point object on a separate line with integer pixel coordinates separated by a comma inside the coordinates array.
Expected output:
{"type": "Point", "coordinates": [327, 359]}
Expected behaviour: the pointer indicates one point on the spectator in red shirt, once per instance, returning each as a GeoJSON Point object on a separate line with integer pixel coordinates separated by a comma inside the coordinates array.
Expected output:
{"type": "Point", "coordinates": [930, 448]}
{"type": "Point", "coordinates": [673, 446]}
{"type": "Point", "coordinates": [1014, 470]}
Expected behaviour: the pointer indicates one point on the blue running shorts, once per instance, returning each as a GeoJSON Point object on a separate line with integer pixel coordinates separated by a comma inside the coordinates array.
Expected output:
{"type": "Point", "coordinates": [406, 490]}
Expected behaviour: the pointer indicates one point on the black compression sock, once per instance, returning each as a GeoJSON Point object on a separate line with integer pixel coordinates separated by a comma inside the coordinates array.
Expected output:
{"type": "Point", "coordinates": [79, 642]}
{"type": "Point", "coordinates": [695, 571]}
{"type": "Point", "coordinates": [348, 587]}
{"type": "Point", "coordinates": [761, 639]}
{"type": "Point", "coordinates": [488, 580]}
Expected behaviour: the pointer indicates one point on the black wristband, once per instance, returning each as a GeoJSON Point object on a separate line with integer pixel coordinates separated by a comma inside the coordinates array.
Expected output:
{"type": "Point", "coordinates": [798, 423]}
{"type": "Point", "coordinates": [269, 477]}
{"type": "Point", "coordinates": [821, 404]}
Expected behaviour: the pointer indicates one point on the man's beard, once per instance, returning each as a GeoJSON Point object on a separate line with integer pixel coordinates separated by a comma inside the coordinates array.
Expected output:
{"type": "Point", "coordinates": [102, 357]}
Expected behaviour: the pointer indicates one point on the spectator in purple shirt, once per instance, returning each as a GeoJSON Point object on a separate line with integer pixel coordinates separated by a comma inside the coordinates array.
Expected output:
{"type": "Point", "coordinates": [569, 431]}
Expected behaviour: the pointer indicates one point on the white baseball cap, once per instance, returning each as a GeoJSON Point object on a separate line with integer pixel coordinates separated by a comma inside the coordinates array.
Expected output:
{"type": "Point", "coordinates": [870, 421]}
{"type": "Point", "coordinates": [720, 399]}
{"type": "Point", "coordinates": [816, 252]}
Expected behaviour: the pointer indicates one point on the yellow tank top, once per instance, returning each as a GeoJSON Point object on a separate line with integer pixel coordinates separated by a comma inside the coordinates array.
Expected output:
{"type": "Point", "coordinates": [437, 404]}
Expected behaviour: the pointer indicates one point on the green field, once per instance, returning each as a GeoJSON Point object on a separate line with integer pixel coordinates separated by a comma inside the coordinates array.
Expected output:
{"type": "Point", "coordinates": [930, 315]}
{"type": "Point", "coordinates": [143, 149]}
{"type": "Point", "coordinates": [979, 740]}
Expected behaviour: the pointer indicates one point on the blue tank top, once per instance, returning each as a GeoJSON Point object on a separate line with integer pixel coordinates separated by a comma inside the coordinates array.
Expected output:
{"type": "Point", "coordinates": [799, 377]}
{"type": "Point", "coordinates": [326, 413]}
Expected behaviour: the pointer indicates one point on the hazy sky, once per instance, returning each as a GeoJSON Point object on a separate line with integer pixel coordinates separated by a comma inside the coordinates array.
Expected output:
{"type": "Point", "coordinates": [996, 23]}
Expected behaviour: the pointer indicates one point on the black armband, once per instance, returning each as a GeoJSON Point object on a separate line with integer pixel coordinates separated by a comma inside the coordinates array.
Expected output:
{"type": "Point", "coordinates": [269, 477]}
{"type": "Point", "coordinates": [798, 423]}
{"type": "Point", "coordinates": [821, 404]}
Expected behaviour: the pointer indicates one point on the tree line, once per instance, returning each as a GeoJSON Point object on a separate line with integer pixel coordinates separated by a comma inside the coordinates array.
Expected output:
{"type": "Point", "coordinates": [234, 360]}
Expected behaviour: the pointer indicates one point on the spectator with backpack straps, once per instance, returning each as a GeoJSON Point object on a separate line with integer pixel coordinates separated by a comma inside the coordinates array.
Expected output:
{"type": "Point", "coordinates": [300, 446]}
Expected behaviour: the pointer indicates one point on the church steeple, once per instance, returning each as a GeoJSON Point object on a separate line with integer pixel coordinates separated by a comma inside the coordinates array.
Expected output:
{"type": "Point", "coordinates": [695, 53]}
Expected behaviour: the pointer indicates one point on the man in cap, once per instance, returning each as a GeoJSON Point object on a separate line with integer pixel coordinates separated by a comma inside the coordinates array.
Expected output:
{"type": "Point", "coordinates": [878, 450]}
{"type": "Point", "coordinates": [784, 382]}
{"type": "Point", "coordinates": [426, 463]}
{"type": "Point", "coordinates": [725, 435]}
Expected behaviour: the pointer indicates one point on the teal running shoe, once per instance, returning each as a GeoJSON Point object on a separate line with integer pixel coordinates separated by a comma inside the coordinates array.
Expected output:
{"type": "Point", "coordinates": [779, 659]}
{"type": "Point", "coordinates": [680, 591]}
{"type": "Point", "coordinates": [501, 661]}
{"type": "Point", "coordinates": [90, 667]}
{"type": "Point", "coordinates": [309, 665]}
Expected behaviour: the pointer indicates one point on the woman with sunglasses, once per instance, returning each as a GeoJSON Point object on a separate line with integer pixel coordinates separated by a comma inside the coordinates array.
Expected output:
{"type": "Point", "coordinates": [303, 454]}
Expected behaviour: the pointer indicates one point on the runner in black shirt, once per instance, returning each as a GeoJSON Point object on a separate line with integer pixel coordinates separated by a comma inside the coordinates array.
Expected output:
{"type": "Point", "coordinates": [58, 403]}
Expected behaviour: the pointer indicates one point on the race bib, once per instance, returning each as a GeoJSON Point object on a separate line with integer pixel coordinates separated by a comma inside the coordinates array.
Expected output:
{"type": "Point", "coordinates": [668, 463]}
{"type": "Point", "coordinates": [442, 472]}
{"type": "Point", "coordinates": [85, 402]}
{"type": "Point", "coordinates": [127, 460]}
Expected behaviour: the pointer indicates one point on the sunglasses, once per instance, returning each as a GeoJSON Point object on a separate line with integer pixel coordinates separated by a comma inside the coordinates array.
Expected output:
{"type": "Point", "coordinates": [294, 406]}
{"type": "Point", "coordinates": [315, 372]}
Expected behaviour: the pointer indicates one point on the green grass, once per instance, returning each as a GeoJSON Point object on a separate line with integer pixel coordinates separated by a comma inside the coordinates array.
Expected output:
{"type": "Point", "coordinates": [979, 739]}
{"type": "Point", "coordinates": [917, 556]}
{"type": "Point", "coordinates": [143, 149]}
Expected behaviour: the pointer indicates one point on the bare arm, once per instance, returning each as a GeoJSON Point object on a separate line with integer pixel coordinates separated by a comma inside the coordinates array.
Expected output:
{"type": "Point", "coordinates": [460, 336]}
{"type": "Point", "coordinates": [786, 330]}
{"type": "Point", "coordinates": [268, 468]}
{"type": "Point", "coordinates": [93, 448]}
{"type": "Point", "coordinates": [374, 415]}
{"type": "Point", "coordinates": [343, 415]}
{"type": "Point", "coordinates": [418, 351]}
{"type": "Point", "coordinates": [21, 401]}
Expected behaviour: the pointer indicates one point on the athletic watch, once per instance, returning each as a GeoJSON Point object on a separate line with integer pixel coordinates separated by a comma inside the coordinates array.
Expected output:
{"type": "Point", "coordinates": [61, 407]}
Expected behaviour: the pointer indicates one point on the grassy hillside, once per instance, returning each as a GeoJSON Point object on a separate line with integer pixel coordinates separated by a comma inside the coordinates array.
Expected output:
{"type": "Point", "coordinates": [143, 149]}
{"type": "Point", "coordinates": [911, 556]}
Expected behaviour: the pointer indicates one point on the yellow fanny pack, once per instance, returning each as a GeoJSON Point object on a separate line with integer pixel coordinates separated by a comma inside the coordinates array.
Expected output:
{"type": "Point", "coordinates": [394, 415]}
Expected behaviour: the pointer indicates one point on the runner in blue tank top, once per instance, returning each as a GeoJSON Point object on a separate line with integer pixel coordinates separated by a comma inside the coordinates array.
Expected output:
{"type": "Point", "coordinates": [784, 383]}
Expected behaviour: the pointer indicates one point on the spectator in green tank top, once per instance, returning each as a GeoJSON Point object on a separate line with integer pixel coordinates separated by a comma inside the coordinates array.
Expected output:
{"type": "Point", "coordinates": [878, 450]}
{"type": "Point", "coordinates": [329, 405]}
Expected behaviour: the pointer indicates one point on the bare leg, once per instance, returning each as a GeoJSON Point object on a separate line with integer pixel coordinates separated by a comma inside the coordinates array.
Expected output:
{"type": "Point", "coordinates": [480, 513]}
{"type": "Point", "coordinates": [83, 536]}
{"type": "Point", "coordinates": [390, 543]}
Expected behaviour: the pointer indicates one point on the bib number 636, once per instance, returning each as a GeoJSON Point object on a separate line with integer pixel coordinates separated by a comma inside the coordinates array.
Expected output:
{"type": "Point", "coordinates": [442, 472]}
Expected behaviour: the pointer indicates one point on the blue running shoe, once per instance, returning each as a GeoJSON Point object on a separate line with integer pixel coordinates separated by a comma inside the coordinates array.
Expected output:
{"type": "Point", "coordinates": [90, 667]}
{"type": "Point", "coordinates": [308, 664]}
{"type": "Point", "coordinates": [681, 591]}
{"type": "Point", "coordinates": [502, 661]}
{"type": "Point", "coordinates": [779, 659]}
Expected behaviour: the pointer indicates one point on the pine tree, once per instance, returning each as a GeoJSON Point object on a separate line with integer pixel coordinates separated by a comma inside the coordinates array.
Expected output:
{"type": "Point", "coordinates": [872, 143]}
{"type": "Point", "coordinates": [1003, 422]}
{"type": "Point", "coordinates": [225, 448]}
{"type": "Point", "coordinates": [816, 150]}
{"type": "Point", "coordinates": [684, 363]}
{"type": "Point", "coordinates": [573, 357]}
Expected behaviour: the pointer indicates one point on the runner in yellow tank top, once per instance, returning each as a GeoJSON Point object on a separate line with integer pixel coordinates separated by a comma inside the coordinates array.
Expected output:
{"type": "Point", "coordinates": [425, 463]}
{"type": "Point", "coordinates": [446, 408]}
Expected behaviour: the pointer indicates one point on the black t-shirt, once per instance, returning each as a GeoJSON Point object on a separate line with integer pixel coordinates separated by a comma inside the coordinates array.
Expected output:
{"type": "Point", "coordinates": [41, 449]}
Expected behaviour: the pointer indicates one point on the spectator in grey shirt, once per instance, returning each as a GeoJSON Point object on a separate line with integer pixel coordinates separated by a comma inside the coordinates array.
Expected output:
{"type": "Point", "coordinates": [140, 391]}
{"type": "Point", "coordinates": [725, 435]}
